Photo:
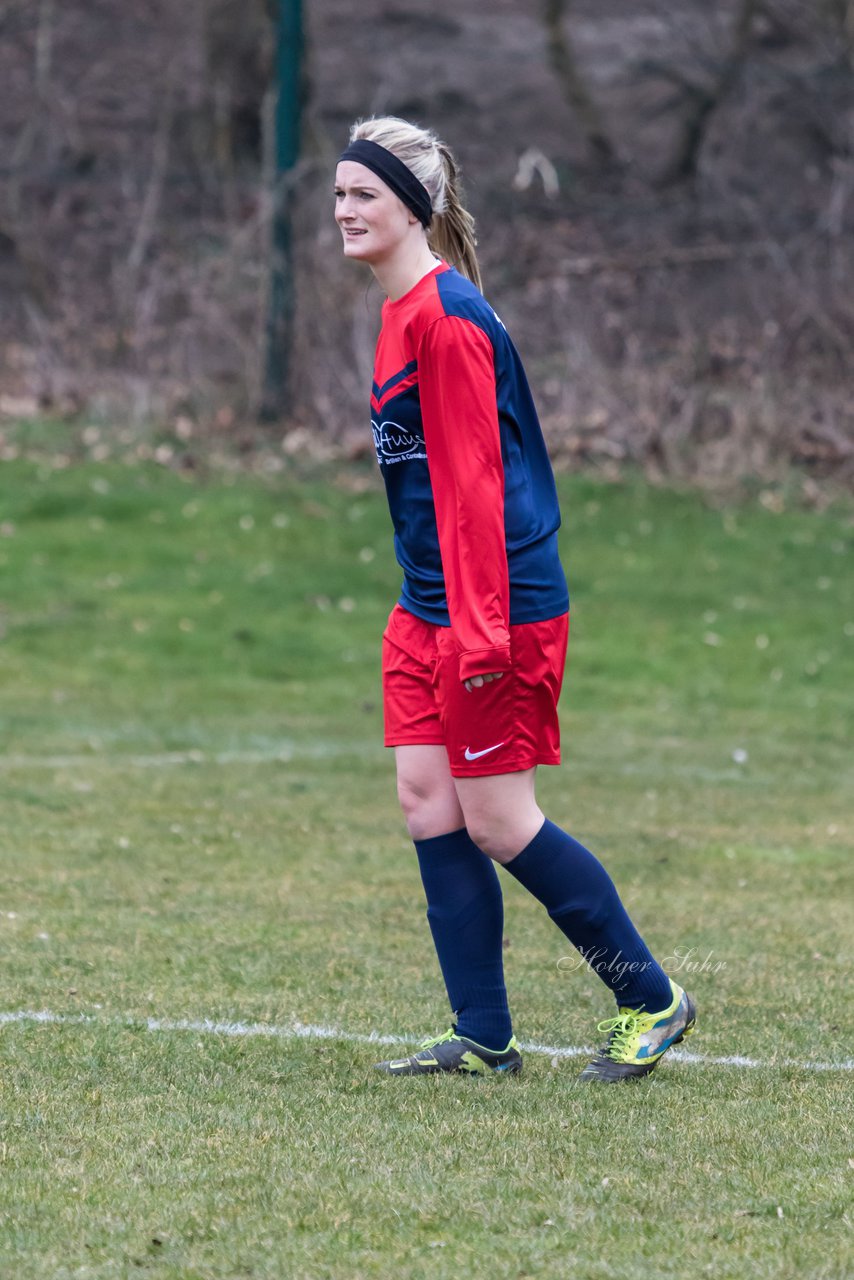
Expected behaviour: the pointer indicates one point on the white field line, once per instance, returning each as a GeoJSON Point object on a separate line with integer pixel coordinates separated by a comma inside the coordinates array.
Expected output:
{"type": "Point", "coordinates": [283, 753]}
{"type": "Point", "coordinates": [307, 1031]}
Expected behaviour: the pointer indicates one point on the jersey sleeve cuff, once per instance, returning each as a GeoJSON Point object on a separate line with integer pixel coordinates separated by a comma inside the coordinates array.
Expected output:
{"type": "Point", "coordinates": [484, 662]}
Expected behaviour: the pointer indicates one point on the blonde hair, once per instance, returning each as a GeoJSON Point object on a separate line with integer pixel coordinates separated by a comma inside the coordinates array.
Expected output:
{"type": "Point", "coordinates": [451, 232]}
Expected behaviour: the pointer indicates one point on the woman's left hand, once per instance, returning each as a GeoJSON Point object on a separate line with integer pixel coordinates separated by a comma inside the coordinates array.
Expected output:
{"type": "Point", "coordinates": [477, 682]}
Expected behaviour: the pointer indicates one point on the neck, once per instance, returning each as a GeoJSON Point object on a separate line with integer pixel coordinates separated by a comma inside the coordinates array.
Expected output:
{"type": "Point", "coordinates": [398, 275]}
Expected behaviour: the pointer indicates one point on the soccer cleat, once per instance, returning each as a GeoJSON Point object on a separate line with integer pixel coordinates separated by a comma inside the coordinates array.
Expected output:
{"type": "Point", "coordinates": [452, 1053]}
{"type": "Point", "coordinates": [638, 1040]}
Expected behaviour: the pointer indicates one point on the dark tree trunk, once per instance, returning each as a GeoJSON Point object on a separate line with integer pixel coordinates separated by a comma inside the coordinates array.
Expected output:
{"type": "Point", "coordinates": [278, 337]}
{"type": "Point", "coordinates": [565, 64]}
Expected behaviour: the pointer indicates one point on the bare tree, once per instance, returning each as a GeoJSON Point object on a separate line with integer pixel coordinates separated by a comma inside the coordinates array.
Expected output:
{"type": "Point", "coordinates": [704, 98]}
{"type": "Point", "coordinates": [578, 96]}
{"type": "Point", "coordinates": [842, 15]}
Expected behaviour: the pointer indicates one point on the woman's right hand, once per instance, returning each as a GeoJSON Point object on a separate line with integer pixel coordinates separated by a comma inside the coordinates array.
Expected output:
{"type": "Point", "coordinates": [477, 682]}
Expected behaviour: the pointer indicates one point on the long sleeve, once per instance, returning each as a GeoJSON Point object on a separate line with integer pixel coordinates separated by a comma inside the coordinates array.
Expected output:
{"type": "Point", "coordinates": [461, 432]}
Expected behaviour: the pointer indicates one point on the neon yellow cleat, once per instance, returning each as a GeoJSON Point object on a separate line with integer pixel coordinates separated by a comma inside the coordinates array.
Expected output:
{"type": "Point", "coordinates": [452, 1053]}
{"type": "Point", "coordinates": [638, 1041]}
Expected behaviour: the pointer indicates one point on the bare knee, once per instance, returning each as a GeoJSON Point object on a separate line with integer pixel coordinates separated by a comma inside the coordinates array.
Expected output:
{"type": "Point", "coordinates": [502, 838]}
{"type": "Point", "coordinates": [501, 812]}
{"type": "Point", "coordinates": [494, 842]}
{"type": "Point", "coordinates": [429, 810]}
{"type": "Point", "coordinates": [416, 801]}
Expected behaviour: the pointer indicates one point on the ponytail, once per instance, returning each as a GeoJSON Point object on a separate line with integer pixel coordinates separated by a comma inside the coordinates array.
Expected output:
{"type": "Point", "coordinates": [451, 233]}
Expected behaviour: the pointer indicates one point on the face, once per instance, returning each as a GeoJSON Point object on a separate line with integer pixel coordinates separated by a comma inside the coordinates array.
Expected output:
{"type": "Point", "coordinates": [374, 222]}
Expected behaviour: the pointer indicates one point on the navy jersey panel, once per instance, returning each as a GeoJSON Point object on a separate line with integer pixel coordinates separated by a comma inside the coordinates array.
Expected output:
{"type": "Point", "coordinates": [402, 456]}
{"type": "Point", "coordinates": [457, 354]}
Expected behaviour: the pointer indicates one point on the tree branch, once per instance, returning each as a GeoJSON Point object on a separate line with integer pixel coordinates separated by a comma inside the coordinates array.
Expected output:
{"type": "Point", "coordinates": [565, 65]}
{"type": "Point", "coordinates": [706, 100]}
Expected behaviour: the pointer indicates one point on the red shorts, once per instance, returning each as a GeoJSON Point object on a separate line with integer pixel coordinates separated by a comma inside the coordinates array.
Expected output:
{"type": "Point", "coordinates": [502, 727]}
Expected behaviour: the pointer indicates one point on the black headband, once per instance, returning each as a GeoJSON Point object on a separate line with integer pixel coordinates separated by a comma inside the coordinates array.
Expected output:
{"type": "Point", "coordinates": [395, 174]}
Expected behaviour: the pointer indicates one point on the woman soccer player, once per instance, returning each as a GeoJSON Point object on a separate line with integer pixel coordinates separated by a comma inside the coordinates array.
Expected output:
{"type": "Point", "coordinates": [474, 651]}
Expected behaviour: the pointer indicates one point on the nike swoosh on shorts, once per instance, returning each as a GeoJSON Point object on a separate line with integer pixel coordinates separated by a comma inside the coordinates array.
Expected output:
{"type": "Point", "coordinates": [475, 755]}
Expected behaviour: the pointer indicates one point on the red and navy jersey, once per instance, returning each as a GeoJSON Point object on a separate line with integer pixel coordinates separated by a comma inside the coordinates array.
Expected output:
{"type": "Point", "coordinates": [469, 482]}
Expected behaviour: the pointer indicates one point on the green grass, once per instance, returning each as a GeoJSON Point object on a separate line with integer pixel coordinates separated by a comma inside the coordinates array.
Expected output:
{"type": "Point", "coordinates": [199, 822]}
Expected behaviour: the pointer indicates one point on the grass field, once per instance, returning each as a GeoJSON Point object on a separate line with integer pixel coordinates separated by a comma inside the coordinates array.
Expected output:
{"type": "Point", "coordinates": [199, 825]}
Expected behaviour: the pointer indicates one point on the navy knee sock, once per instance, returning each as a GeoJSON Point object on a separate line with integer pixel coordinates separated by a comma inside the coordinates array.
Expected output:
{"type": "Point", "coordinates": [465, 910]}
{"type": "Point", "coordinates": [580, 897]}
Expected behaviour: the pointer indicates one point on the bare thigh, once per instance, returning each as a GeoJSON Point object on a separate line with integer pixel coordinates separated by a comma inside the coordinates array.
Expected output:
{"type": "Point", "coordinates": [426, 791]}
{"type": "Point", "coordinates": [501, 812]}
